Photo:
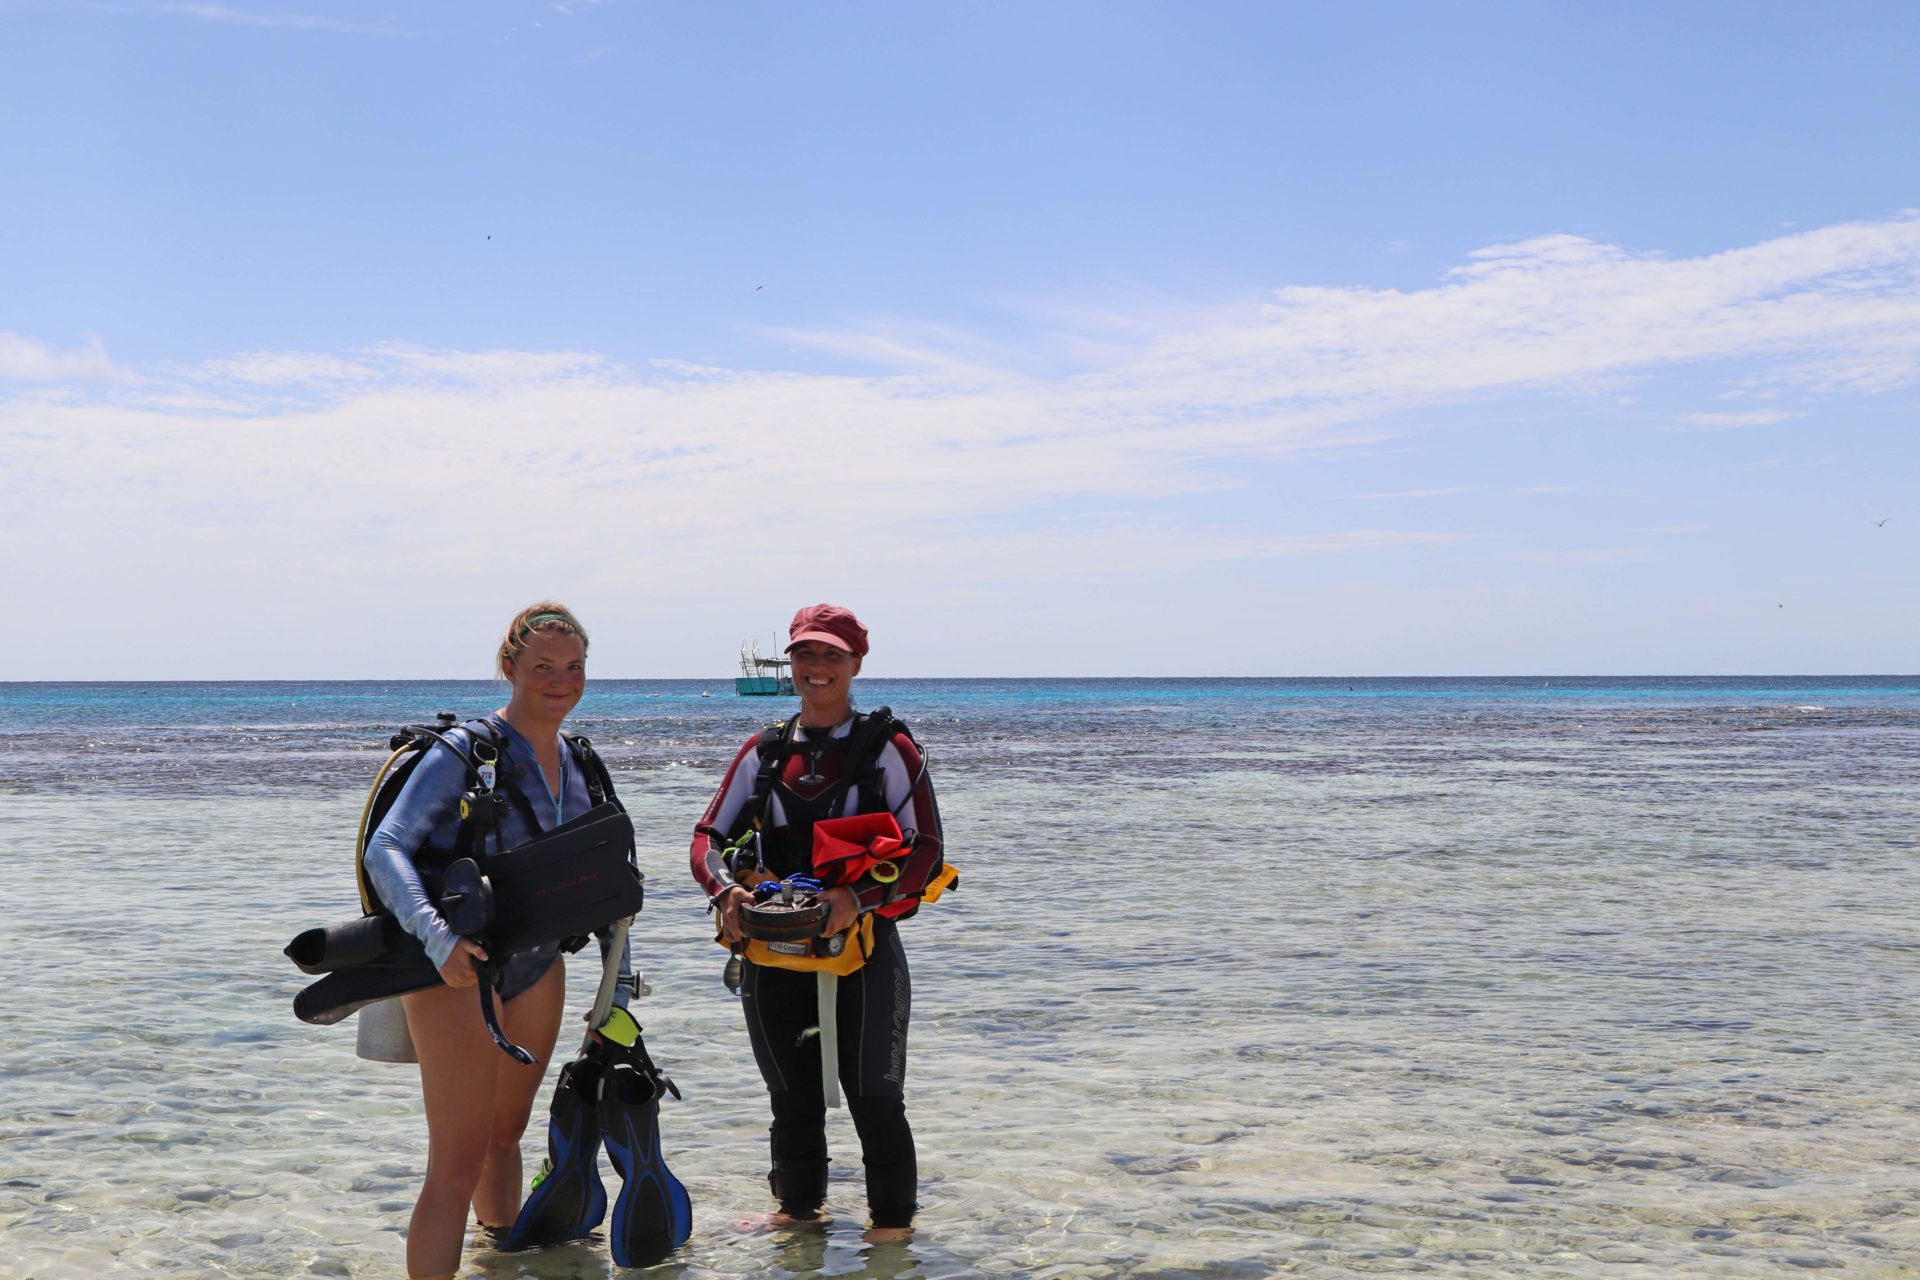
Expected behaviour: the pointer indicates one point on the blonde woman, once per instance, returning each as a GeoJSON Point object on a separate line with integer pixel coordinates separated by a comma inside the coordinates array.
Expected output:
{"type": "Point", "coordinates": [478, 1100]}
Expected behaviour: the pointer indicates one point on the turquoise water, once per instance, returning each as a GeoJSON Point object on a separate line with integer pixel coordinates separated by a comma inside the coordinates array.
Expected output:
{"type": "Point", "coordinates": [1531, 977]}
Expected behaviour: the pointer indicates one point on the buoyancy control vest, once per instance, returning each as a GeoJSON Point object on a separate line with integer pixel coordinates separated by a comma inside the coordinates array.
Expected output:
{"type": "Point", "coordinates": [555, 888]}
{"type": "Point", "coordinates": [785, 849]}
{"type": "Point", "coordinates": [854, 760]}
{"type": "Point", "coordinates": [493, 784]}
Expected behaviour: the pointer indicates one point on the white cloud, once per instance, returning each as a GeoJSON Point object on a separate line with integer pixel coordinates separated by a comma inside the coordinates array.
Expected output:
{"type": "Point", "coordinates": [1560, 311]}
{"type": "Point", "coordinates": [1403, 493]}
{"type": "Point", "coordinates": [359, 474]}
{"type": "Point", "coordinates": [958, 552]}
{"type": "Point", "coordinates": [285, 369]}
{"type": "Point", "coordinates": [1582, 555]}
{"type": "Point", "coordinates": [259, 20]}
{"type": "Point", "coordinates": [947, 352]}
{"type": "Point", "coordinates": [24, 360]}
{"type": "Point", "coordinates": [492, 369]}
{"type": "Point", "coordinates": [1748, 418]}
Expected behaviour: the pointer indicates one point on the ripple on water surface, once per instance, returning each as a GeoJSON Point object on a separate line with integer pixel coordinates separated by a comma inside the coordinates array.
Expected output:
{"type": "Point", "coordinates": [1242, 980]}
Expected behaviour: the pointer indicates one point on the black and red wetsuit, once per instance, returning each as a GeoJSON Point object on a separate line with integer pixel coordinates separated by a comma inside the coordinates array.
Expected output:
{"type": "Point", "coordinates": [875, 1001]}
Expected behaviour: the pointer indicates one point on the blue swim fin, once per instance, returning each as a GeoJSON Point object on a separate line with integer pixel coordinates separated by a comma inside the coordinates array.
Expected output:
{"type": "Point", "coordinates": [570, 1200]}
{"type": "Point", "coordinates": [653, 1214]}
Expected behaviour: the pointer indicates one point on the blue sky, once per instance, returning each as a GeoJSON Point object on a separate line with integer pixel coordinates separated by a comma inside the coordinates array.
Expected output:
{"type": "Point", "coordinates": [1054, 338]}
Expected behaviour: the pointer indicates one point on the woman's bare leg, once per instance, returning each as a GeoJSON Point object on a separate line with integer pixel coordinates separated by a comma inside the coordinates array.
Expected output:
{"type": "Point", "coordinates": [458, 1070]}
{"type": "Point", "coordinates": [532, 1021]}
{"type": "Point", "coordinates": [477, 1102]}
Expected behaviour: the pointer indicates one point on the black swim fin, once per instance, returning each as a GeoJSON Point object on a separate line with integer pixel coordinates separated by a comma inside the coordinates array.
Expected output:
{"type": "Point", "coordinates": [568, 882]}
{"type": "Point", "coordinates": [369, 940]}
{"type": "Point", "coordinates": [345, 991]}
{"type": "Point", "coordinates": [570, 1200]}
{"type": "Point", "coordinates": [653, 1214]}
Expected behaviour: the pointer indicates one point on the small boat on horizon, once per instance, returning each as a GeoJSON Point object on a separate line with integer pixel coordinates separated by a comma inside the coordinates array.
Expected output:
{"type": "Point", "coordinates": [762, 677]}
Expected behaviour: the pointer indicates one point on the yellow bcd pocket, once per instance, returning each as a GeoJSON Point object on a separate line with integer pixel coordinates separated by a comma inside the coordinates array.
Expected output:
{"type": "Point", "coordinates": [799, 955]}
{"type": "Point", "coordinates": [948, 877]}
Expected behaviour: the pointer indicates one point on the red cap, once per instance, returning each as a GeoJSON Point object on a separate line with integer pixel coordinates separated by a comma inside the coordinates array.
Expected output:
{"type": "Point", "coordinates": [829, 624]}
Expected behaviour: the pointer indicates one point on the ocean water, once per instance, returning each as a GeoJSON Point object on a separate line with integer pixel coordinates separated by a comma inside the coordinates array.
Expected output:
{"type": "Point", "coordinates": [1327, 978]}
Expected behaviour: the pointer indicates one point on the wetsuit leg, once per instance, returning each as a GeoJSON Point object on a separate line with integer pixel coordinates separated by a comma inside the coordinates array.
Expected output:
{"type": "Point", "coordinates": [875, 1004]}
{"type": "Point", "coordinates": [874, 1008]}
{"type": "Point", "coordinates": [780, 1006]}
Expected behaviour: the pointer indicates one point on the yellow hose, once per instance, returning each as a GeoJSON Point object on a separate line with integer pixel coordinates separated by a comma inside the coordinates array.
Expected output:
{"type": "Point", "coordinates": [366, 814]}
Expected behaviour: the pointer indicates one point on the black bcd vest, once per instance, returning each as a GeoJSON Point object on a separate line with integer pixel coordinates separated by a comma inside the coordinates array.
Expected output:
{"type": "Point", "coordinates": [788, 849]}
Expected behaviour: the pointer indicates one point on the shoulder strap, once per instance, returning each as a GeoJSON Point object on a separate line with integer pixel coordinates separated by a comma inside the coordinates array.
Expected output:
{"type": "Point", "coordinates": [599, 779]}
{"type": "Point", "coordinates": [771, 751]}
{"type": "Point", "coordinates": [774, 737]}
{"type": "Point", "coordinates": [489, 755]}
{"type": "Point", "coordinates": [507, 780]}
{"type": "Point", "coordinates": [425, 737]}
{"type": "Point", "coordinates": [869, 736]}
{"type": "Point", "coordinates": [410, 744]}
{"type": "Point", "coordinates": [893, 727]}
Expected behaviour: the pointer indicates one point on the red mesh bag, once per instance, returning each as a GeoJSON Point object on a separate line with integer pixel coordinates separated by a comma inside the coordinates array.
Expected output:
{"type": "Point", "coordinates": [845, 849]}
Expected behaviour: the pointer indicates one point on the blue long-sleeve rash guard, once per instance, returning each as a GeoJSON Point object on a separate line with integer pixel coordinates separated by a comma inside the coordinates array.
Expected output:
{"type": "Point", "coordinates": [426, 815]}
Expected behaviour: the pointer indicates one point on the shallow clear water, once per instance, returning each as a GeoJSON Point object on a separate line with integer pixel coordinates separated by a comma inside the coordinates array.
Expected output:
{"type": "Point", "coordinates": [1244, 978]}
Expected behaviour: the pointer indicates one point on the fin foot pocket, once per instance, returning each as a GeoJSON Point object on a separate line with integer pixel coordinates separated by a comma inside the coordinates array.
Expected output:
{"type": "Point", "coordinates": [653, 1214]}
{"type": "Point", "coordinates": [567, 1200]}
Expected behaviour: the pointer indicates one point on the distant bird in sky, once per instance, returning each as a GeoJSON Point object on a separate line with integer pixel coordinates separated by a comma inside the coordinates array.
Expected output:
{"type": "Point", "coordinates": [1881, 524]}
{"type": "Point", "coordinates": [757, 288]}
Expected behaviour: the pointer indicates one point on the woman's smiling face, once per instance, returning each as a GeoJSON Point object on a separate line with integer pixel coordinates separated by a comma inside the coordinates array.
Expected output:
{"type": "Point", "coordinates": [823, 675]}
{"type": "Point", "coordinates": [550, 674]}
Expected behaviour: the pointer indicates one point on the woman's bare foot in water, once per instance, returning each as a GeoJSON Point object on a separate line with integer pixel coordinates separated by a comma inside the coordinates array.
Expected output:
{"type": "Point", "coordinates": [775, 1222]}
{"type": "Point", "coordinates": [887, 1235]}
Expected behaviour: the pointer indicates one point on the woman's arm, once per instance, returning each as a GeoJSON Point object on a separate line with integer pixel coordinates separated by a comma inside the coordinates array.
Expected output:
{"type": "Point", "coordinates": [429, 798]}
{"type": "Point", "coordinates": [910, 797]}
{"type": "Point", "coordinates": [723, 811]}
{"type": "Point", "coordinates": [909, 794]}
{"type": "Point", "coordinates": [728, 803]}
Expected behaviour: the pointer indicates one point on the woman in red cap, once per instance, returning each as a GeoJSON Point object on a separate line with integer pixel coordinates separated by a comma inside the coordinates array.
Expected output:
{"type": "Point", "coordinates": [827, 762]}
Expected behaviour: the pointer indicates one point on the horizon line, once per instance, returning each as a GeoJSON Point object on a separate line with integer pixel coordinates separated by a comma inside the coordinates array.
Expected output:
{"type": "Point", "coordinates": [722, 680]}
